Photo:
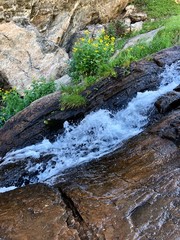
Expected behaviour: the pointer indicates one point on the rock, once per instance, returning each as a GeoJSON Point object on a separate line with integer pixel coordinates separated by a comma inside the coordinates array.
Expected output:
{"type": "Point", "coordinates": [58, 20]}
{"type": "Point", "coordinates": [129, 194]}
{"type": "Point", "coordinates": [145, 38]}
{"type": "Point", "coordinates": [136, 26]}
{"type": "Point", "coordinates": [162, 58]}
{"type": "Point", "coordinates": [64, 80]}
{"type": "Point", "coordinates": [177, 89]}
{"type": "Point", "coordinates": [26, 56]}
{"type": "Point", "coordinates": [129, 10]}
{"type": "Point", "coordinates": [133, 14]}
{"type": "Point", "coordinates": [138, 17]}
{"type": "Point", "coordinates": [132, 193]}
{"type": "Point", "coordinates": [127, 23]}
{"type": "Point", "coordinates": [36, 121]}
{"type": "Point", "coordinates": [32, 33]}
{"type": "Point", "coordinates": [35, 212]}
{"type": "Point", "coordinates": [4, 84]}
{"type": "Point", "coordinates": [168, 102]}
{"type": "Point", "coordinates": [35, 112]}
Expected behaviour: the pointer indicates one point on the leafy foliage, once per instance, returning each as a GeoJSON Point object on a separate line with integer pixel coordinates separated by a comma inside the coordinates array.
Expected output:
{"type": "Point", "coordinates": [12, 102]}
{"type": "Point", "coordinates": [89, 54]}
{"type": "Point", "coordinates": [89, 63]}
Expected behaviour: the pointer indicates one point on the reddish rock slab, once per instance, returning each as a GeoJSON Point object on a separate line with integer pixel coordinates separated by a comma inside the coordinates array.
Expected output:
{"type": "Point", "coordinates": [133, 193]}
{"type": "Point", "coordinates": [35, 212]}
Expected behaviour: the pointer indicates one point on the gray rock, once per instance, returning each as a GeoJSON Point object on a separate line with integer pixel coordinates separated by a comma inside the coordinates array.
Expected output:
{"type": "Point", "coordinates": [145, 37]}
{"type": "Point", "coordinates": [64, 80]}
{"type": "Point", "coordinates": [26, 56]}
{"type": "Point", "coordinates": [135, 27]}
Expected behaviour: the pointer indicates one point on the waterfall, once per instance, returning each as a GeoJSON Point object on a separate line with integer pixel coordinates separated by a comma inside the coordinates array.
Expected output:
{"type": "Point", "coordinates": [97, 134]}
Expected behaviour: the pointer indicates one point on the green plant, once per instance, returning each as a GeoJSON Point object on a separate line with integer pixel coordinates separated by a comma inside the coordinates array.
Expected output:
{"type": "Point", "coordinates": [88, 54]}
{"type": "Point", "coordinates": [89, 63]}
{"type": "Point", "coordinates": [167, 37]}
{"type": "Point", "coordinates": [38, 89]}
{"type": "Point", "coordinates": [158, 9]}
{"type": "Point", "coordinates": [12, 102]}
{"type": "Point", "coordinates": [72, 100]}
{"type": "Point", "coordinates": [90, 80]}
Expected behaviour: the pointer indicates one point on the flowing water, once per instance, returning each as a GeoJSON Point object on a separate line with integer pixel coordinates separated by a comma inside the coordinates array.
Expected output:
{"type": "Point", "coordinates": [98, 134]}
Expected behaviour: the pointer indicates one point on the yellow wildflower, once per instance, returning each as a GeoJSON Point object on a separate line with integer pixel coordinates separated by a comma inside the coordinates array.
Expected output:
{"type": "Point", "coordinates": [112, 39]}
{"type": "Point", "coordinates": [74, 50]}
{"type": "Point", "coordinates": [86, 32]}
{"type": "Point", "coordinates": [106, 37]}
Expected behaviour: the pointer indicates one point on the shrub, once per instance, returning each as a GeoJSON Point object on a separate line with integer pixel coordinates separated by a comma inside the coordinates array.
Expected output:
{"type": "Point", "coordinates": [12, 102]}
{"type": "Point", "coordinates": [38, 89]}
{"type": "Point", "coordinates": [89, 63]}
{"type": "Point", "coordinates": [89, 54]}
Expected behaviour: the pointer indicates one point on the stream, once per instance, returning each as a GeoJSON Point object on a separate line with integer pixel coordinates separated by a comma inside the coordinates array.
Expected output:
{"type": "Point", "coordinates": [98, 134]}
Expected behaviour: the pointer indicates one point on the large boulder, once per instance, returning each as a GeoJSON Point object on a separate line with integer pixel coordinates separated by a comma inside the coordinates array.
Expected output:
{"type": "Point", "coordinates": [26, 56]}
{"type": "Point", "coordinates": [59, 19]}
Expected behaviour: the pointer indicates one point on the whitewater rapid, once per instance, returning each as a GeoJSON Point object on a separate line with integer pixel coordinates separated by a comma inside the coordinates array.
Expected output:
{"type": "Point", "coordinates": [97, 134]}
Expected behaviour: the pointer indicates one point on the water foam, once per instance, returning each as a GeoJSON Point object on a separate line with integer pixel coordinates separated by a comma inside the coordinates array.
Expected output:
{"type": "Point", "coordinates": [98, 133]}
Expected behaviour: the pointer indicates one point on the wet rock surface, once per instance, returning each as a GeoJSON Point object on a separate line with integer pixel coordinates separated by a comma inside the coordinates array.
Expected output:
{"type": "Point", "coordinates": [168, 102]}
{"type": "Point", "coordinates": [112, 93]}
{"type": "Point", "coordinates": [134, 193]}
{"type": "Point", "coordinates": [130, 194]}
{"type": "Point", "coordinates": [35, 212]}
